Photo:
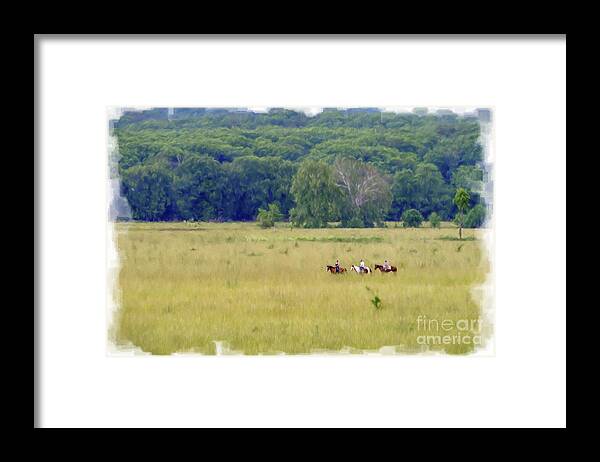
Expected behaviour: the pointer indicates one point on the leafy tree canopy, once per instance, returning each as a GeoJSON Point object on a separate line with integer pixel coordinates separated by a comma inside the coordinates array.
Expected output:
{"type": "Point", "coordinates": [226, 164]}
{"type": "Point", "coordinates": [412, 218]}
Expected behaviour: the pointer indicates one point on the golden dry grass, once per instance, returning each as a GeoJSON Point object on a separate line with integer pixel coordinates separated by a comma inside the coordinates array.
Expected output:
{"type": "Point", "coordinates": [183, 286]}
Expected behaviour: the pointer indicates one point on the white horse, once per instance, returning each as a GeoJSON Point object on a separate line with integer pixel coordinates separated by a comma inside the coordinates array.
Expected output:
{"type": "Point", "coordinates": [357, 269]}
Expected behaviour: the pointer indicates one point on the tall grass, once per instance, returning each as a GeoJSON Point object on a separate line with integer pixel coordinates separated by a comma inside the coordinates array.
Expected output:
{"type": "Point", "coordinates": [264, 291]}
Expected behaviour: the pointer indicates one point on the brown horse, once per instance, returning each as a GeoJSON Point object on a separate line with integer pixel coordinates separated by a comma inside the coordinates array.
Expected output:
{"type": "Point", "coordinates": [331, 269]}
{"type": "Point", "coordinates": [392, 269]}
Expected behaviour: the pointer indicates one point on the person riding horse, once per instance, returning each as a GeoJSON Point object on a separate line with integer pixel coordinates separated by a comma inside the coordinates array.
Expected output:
{"type": "Point", "coordinates": [337, 266]}
{"type": "Point", "coordinates": [386, 268]}
{"type": "Point", "coordinates": [362, 269]}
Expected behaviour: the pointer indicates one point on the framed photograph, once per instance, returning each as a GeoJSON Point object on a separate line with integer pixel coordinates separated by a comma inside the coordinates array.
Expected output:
{"type": "Point", "coordinates": [227, 226]}
{"type": "Point", "coordinates": [300, 231]}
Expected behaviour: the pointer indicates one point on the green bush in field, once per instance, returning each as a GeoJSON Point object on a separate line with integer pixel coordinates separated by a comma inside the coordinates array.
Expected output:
{"type": "Point", "coordinates": [355, 222]}
{"type": "Point", "coordinates": [434, 220]}
{"type": "Point", "coordinates": [476, 217]}
{"type": "Point", "coordinates": [412, 218]}
{"type": "Point", "coordinates": [267, 218]}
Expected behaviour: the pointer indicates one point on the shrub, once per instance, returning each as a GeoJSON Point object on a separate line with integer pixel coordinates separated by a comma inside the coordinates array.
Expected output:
{"type": "Point", "coordinates": [412, 218]}
{"type": "Point", "coordinates": [355, 222]}
{"type": "Point", "coordinates": [434, 220]}
{"type": "Point", "coordinates": [267, 218]}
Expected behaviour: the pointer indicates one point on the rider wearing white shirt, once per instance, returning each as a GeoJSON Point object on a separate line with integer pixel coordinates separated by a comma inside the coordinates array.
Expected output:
{"type": "Point", "coordinates": [362, 265]}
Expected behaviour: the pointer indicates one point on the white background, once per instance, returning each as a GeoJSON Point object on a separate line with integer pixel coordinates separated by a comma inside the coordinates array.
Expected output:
{"type": "Point", "coordinates": [524, 384]}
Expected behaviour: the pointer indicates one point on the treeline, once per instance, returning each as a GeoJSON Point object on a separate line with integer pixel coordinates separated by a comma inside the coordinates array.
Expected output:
{"type": "Point", "coordinates": [205, 164]}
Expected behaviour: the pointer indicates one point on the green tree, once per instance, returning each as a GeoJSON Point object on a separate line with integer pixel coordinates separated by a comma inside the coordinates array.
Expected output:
{"type": "Point", "coordinates": [412, 218]}
{"type": "Point", "coordinates": [404, 192]}
{"type": "Point", "coordinates": [316, 194]}
{"type": "Point", "coordinates": [432, 193]}
{"type": "Point", "coordinates": [461, 200]}
{"type": "Point", "coordinates": [454, 150]}
{"type": "Point", "coordinates": [476, 217]}
{"type": "Point", "coordinates": [267, 218]}
{"type": "Point", "coordinates": [258, 182]}
{"type": "Point", "coordinates": [148, 190]}
{"type": "Point", "coordinates": [202, 189]}
{"type": "Point", "coordinates": [408, 160]}
{"type": "Point", "coordinates": [434, 220]}
{"type": "Point", "coordinates": [469, 177]}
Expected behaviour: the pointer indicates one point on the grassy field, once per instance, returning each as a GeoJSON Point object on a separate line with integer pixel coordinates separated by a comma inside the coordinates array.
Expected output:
{"type": "Point", "coordinates": [183, 287]}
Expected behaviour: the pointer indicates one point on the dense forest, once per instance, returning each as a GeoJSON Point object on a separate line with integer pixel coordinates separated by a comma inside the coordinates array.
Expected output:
{"type": "Point", "coordinates": [357, 166]}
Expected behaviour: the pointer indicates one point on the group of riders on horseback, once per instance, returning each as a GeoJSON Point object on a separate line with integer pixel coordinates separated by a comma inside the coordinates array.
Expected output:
{"type": "Point", "coordinates": [361, 268]}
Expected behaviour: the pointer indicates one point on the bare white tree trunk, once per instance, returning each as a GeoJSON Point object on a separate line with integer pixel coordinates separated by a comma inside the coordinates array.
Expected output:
{"type": "Point", "coordinates": [362, 182]}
